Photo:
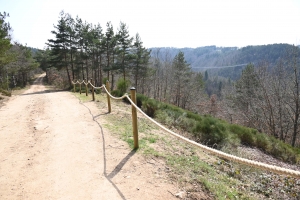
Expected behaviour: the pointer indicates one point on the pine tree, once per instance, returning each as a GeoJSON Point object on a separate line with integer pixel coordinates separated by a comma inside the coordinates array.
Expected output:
{"type": "Point", "coordinates": [140, 59]}
{"type": "Point", "coordinates": [246, 94]}
{"type": "Point", "coordinates": [4, 39]}
{"type": "Point", "coordinates": [124, 43]}
{"type": "Point", "coordinates": [182, 73]}
{"type": "Point", "coordinates": [60, 45]}
{"type": "Point", "coordinates": [110, 43]}
{"type": "Point", "coordinates": [5, 45]}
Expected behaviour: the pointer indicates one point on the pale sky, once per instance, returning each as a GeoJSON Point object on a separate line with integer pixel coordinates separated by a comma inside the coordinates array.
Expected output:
{"type": "Point", "coordinates": [165, 23]}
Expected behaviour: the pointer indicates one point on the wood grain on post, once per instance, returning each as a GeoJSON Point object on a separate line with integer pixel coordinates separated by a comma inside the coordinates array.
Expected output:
{"type": "Point", "coordinates": [108, 97]}
{"type": "Point", "coordinates": [74, 87]}
{"type": "Point", "coordinates": [93, 91]}
{"type": "Point", "coordinates": [79, 87]}
{"type": "Point", "coordinates": [134, 118]}
{"type": "Point", "coordinates": [86, 88]}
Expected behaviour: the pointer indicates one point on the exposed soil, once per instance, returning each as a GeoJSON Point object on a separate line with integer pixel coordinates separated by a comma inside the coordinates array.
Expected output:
{"type": "Point", "coordinates": [52, 146]}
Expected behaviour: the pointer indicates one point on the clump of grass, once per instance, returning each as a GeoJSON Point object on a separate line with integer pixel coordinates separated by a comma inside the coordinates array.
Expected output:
{"type": "Point", "coordinates": [83, 97]}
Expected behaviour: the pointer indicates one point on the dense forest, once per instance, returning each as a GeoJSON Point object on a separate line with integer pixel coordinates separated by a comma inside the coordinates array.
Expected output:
{"type": "Point", "coordinates": [264, 96]}
{"type": "Point", "coordinates": [258, 87]}
{"type": "Point", "coordinates": [87, 51]}
{"type": "Point", "coordinates": [227, 62]}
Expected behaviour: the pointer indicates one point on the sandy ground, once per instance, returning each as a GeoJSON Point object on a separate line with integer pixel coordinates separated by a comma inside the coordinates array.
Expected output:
{"type": "Point", "coordinates": [54, 147]}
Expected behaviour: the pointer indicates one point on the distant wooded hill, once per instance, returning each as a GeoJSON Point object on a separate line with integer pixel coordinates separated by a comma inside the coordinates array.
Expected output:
{"type": "Point", "coordinates": [225, 61]}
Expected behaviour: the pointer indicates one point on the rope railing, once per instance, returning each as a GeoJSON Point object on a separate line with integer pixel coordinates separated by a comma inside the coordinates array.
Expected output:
{"type": "Point", "coordinates": [252, 163]}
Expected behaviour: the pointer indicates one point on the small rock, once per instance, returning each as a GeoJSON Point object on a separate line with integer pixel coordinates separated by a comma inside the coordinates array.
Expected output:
{"type": "Point", "coordinates": [179, 195]}
{"type": "Point", "coordinates": [138, 188]}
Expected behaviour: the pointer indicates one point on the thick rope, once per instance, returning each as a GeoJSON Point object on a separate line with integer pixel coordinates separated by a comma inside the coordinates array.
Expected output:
{"type": "Point", "coordinates": [116, 98]}
{"type": "Point", "coordinates": [221, 154]}
{"type": "Point", "coordinates": [82, 82]}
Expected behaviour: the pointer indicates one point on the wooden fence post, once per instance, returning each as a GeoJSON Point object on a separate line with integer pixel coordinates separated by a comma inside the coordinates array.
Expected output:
{"type": "Point", "coordinates": [86, 88]}
{"type": "Point", "coordinates": [93, 91]}
{"type": "Point", "coordinates": [134, 118]}
{"type": "Point", "coordinates": [74, 87]}
{"type": "Point", "coordinates": [108, 97]}
{"type": "Point", "coordinates": [79, 87]}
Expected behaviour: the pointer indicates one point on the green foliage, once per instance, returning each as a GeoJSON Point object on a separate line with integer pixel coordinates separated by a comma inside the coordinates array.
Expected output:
{"type": "Point", "coordinates": [104, 80]}
{"type": "Point", "coordinates": [245, 134]}
{"type": "Point", "coordinates": [117, 93]}
{"type": "Point", "coordinates": [122, 85]}
{"type": "Point", "coordinates": [140, 98]}
{"type": "Point", "coordinates": [4, 39]}
{"type": "Point", "coordinates": [268, 144]}
{"type": "Point", "coordinates": [5, 92]}
{"type": "Point", "coordinates": [43, 58]}
{"type": "Point", "coordinates": [210, 130]}
{"type": "Point", "coordinates": [150, 106]}
{"type": "Point", "coordinates": [215, 132]}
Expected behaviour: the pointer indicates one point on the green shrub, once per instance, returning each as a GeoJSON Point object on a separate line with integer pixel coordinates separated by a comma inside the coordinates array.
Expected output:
{"type": "Point", "coordinates": [262, 142]}
{"type": "Point", "coordinates": [247, 138]}
{"type": "Point", "coordinates": [17, 88]}
{"type": "Point", "coordinates": [98, 91]}
{"type": "Point", "coordinates": [5, 92]}
{"type": "Point", "coordinates": [122, 86]}
{"type": "Point", "coordinates": [163, 117]}
{"type": "Point", "coordinates": [150, 106]}
{"type": "Point", "coordinates": [186, 123]}
{"type": "Point", "coordinates": [116, 93]}
{"type": "Point", "coordinates": [194, 116]}
{"type": "Point", "coordinates": [245, 134]}
{"type": "Point", "coordinates": [104, 80]}
{"type": "Point", "coordinates": [210, 131]}
{"type": "Point", "coordinates": [140, 99]}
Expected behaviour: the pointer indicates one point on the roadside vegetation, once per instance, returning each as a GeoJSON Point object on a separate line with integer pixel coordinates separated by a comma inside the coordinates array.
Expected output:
{"type": "Point", "coordinates": [192, 169]}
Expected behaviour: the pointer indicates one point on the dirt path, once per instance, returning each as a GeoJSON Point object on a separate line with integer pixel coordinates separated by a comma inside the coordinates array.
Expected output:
{"type": "Point", "coordinates": [54, 147]}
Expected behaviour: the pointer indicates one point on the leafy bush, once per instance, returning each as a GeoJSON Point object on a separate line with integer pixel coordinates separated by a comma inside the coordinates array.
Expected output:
{"type": "Point", "coordinates": [140, 99]}
{"type": "Point", "coordinates": [122, 86]}
{"type": "Point", "coordinates": [150, 106]}
{"type": "Point", "coordinates": [245, 134]}
{"type": "Point", "coordinates": [262, 142]}
{"type": "Point", "coordinates": [211, 131]}
{"type": "Point", "coordinates": [194, 116]}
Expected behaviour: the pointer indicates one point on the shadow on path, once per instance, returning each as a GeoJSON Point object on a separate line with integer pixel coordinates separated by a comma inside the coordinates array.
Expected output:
{"type": "Point", "coordinates": [120, 165]}
{"type": "Point", "coordinates": [43, 92]}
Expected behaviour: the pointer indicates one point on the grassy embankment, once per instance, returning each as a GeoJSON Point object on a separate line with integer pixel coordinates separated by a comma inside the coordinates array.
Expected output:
{"type": "Point", "coordinates": [192, 168]}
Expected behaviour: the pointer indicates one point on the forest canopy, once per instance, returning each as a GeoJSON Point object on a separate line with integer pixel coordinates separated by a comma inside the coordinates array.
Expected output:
{"type": "Point", "coordinates": [16, 61]}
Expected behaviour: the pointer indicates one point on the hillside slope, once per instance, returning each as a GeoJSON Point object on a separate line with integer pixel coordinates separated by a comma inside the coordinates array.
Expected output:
{"type": "Point", "coordinates": [225, 60]}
